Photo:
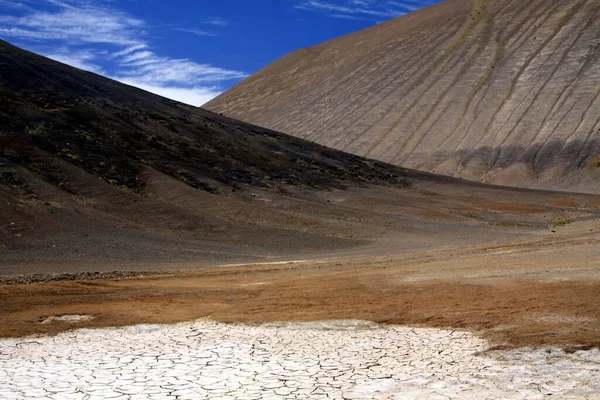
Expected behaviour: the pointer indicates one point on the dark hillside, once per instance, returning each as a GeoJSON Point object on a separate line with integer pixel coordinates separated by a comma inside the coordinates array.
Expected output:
{"type": "Point", "coordinates": [97, 175]}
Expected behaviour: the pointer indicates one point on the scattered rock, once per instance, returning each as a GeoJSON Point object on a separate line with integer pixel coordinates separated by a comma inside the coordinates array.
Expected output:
{"type": "Point", "coordinates": [67, 318]}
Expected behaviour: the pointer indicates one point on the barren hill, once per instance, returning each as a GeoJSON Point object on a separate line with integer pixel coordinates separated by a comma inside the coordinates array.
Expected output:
{"type": "Point", "coordinates": [504, 92]}
{"type": "Point", "coordinates": [103, 180]}
{"type": "Point", "coordinates": [97, 175]}
{"type": "Point", "coordinates": [94, 171]}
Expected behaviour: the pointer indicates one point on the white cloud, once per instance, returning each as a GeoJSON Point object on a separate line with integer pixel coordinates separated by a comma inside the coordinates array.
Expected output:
{"type": "Point", "coordinates": [216, 21]}
{"type": "Point", "coordinates": [86, 24]}
{"type": "Point", "coordinates": [79, 59]}
{"type": "Point", "coordinates": [350, 17]}
{"type": "Point", "coordinates": [90, 35]}
{"type": "Point", "coordinates": [197, 32]}
{"type": "Point", "coordinates": [363, 9]}
{"type": "Point", "coordinates": [128, 50]}
{"type": "Point", "coordinates": [196, 96]}
{"type": "Point", "coordinates": [148, 68]}
{"type": "Point", "coordinates": [138, 56]}
{"type": "Point", "coordinates": [344, 9]}
{"type": "Point", "coordinates": [13, 4]}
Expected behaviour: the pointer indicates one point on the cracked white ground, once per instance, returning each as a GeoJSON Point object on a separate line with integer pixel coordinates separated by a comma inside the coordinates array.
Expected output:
{"type": "Point", "coordinates": [343, 359]}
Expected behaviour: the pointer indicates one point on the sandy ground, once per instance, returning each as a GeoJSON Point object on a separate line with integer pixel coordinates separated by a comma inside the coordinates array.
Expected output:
{"type": "Point", "coordinates": [542, 291]}
{"type": "Point", "coordinates": [517, 318]}
{"type": "Point", "coordinates": [334, 360]}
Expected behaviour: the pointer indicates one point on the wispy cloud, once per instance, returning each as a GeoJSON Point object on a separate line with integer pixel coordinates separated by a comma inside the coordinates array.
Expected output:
{"type": "Point", "coordinates": [13, 4]}
{"type": "Point", "coordinates": [363, 9]}
{"type": "Point", "coordinates": [197, 32]}
{"type": "Point", "coordinates": [90, 35]}
{"type": "Point", "coordinates": [349, 17]}
{"type": "Point", "coordinates": [216, 21]}
{"type": "Point", "coordinates": [86, 24]}
{"type": "Point", "coordinates": [129, 50]}
{"type": "Point", "coordinates": [148, 68]}
{"type": "Point", "coordinates": [195, 95]}
{"type": "Point", "coordinates": [82, 59]}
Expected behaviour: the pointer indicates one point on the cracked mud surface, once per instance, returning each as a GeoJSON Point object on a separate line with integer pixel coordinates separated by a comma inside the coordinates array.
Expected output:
{"type": "Point", "coordinates": [533, 296]}
{"type": "Point", "coordinates": [340, 359]}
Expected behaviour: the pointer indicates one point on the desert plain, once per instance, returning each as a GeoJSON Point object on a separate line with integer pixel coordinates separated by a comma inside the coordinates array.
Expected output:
{"type": "Point", "coordinates": [151, 249]}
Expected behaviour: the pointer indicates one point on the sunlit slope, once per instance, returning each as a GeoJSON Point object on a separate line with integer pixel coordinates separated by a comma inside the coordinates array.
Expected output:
{"type": "Point", "coordinates": [496, 91]}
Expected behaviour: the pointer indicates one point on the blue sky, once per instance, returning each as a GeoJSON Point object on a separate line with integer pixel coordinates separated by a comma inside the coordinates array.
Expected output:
{"type": "Point", "coordinates": [183, 49]}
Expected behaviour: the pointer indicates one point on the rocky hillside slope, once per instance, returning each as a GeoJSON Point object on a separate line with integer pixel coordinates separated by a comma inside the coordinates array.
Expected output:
{"type": "Point", "coordinates": [93, 170]}
{"type": "Point", "coordinates": [96, 175]}
{"type": "Point", "coordinates": [504, 92]}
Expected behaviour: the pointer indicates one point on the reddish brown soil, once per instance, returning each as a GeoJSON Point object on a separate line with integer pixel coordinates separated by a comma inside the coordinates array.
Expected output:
{"type": "Point", "coordinates": [540, 291]}
{"type": "Point", "coordinates": [564, 203]}
{"type": "Point", "coordinates": [528, 209]}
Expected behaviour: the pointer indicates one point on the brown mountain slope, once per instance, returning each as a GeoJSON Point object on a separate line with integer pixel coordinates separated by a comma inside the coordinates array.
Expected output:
{"type": "Point", "coordinates": [494, 91]}
{"type": "Point", "coordinates": [96, 175]}
{"type": "Point", "coordinates": [94, 171]}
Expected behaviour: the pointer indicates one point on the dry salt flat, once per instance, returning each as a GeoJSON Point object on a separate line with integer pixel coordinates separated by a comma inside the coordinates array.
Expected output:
{"type": "Point", "coordinates": [339, 360]}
